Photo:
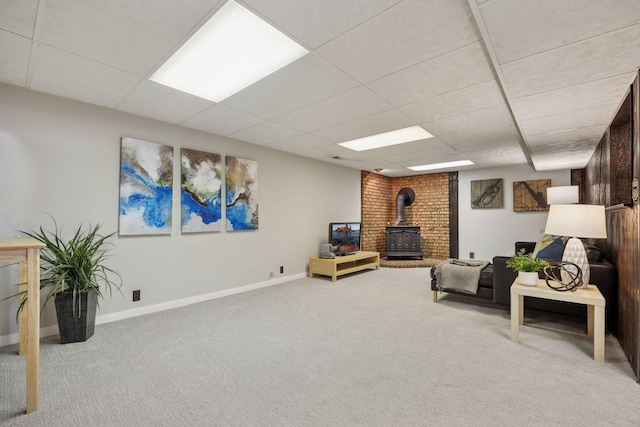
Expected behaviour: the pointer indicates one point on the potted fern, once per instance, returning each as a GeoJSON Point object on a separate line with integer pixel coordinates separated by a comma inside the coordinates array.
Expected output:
{"type": "Point", "coordinates": [75, 274]}
{"type": "Point", "coordinates": [527, 267]}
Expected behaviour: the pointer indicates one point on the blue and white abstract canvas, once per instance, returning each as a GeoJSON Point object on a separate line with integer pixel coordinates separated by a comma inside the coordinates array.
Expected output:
{"type": "Point", "coordinates": [146, 187]}
{"type": "Point", "coordinates": [241, 184]}
{"type": "Point", "coordinates": [200, 191]}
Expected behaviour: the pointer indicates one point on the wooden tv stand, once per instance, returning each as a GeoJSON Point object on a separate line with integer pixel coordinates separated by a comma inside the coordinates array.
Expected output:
{"type": "Point", "coordinates": [341, 265]}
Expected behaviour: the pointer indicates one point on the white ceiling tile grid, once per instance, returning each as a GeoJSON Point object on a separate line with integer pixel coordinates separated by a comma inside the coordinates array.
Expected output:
{"type": "Point", "coordinates": [497, 82]}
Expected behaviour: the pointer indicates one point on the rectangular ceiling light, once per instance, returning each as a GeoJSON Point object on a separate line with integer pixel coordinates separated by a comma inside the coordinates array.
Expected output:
{"type": "Point", "coordinates": [441, 165]}
{"type": "Point", "coordinates": [231, 51]}
{"type": "Point", "coordinates": [400, 136]}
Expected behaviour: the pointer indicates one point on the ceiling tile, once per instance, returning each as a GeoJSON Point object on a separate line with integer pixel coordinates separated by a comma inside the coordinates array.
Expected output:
{"type": "Point", "coordinates": [365, 126]}
{"type": "Point", "coordinates": [130, 35]}
{"type": "Point", "coordinates": [222, 120]}
{"type": "Point", "coordinates": [71, 76]}
{"type": "Point", "coordinates": [19, 18]}
{"type": "Point", "coordinates": [371, 164]}
{"type": "Point", "coordinates": [404, 35]}
{"type": "Point", "coordinates": [577, 97]}
{"type": "Point", "coordinates": [485, 136]}
{"type": "Point", "coordinates": [521, 28]}
{"type": "Point", "coordinates": [568, 64]}
{"type": "Point", "coordinates": [487, 145]}
{"type": "Point", "coordinates": [315, 23]}
{"type": "Point", "coordinates": [327, 152]}
{"type": "Point", "coordinates": [451, 71]}
{"type": "Point", "coordinates": [478, 97]}
{"type": "Point", "coordinates": [557, 161]}
{"type": "Point", "coordinates": [350, 105]}
{"type": "Point", "coordinates": [588, 133]}
{"type": "Point", "coordinates": [424, 156]}
{"type": "Point", "coordinates": [14, 51]}
{"type": "Point", "coordinates": [501, 155]}
{"type": "Point", "coordinates": [562, 156]}
{"type": "Point", "coordinates": [299, 143]}
{"type": "Point", "coordinates": [151, 99]}
{"type": "Point", "coordinates": [265, 133]}
{"type": "Point", "coordinates": [309, 79]}
{"type": "Point", "coordinates": [601, 115]}
{"type": "Point", "coordinates": [475, 119]}
{"type": "Point", "coordinates": [600, 57]}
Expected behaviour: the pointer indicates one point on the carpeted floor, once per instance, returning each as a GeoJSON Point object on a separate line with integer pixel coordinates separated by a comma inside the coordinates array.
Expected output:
{"type": "Point", "coordinates": [371, 349]}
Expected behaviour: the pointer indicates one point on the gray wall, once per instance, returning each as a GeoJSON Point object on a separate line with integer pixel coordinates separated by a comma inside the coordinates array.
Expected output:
{"type": "Point", "coordinates": [62, 157]}
{"type": "Point", "coordinates": [491, 232]}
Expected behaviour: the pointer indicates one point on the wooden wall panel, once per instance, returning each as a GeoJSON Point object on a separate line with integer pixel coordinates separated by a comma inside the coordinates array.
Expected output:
{"type": "Point", "coordinates": [620, 154]}
{"type": "Point", "coordinates": [596, 178]}
{"type": "Point", "coordinates": [632, 284]}
{"type": "Point", "coordinates": [454, 246]}
{"type": "Point", "coordinates": [578, 178]}
{"type": "Point", "coordinates": [622, 227]}
{"type": "Point", "coordinates": [607, 180]}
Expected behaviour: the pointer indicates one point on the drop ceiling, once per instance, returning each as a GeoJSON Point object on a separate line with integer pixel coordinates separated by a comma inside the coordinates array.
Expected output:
{"type": "Point", "coordinates": [497, 82]}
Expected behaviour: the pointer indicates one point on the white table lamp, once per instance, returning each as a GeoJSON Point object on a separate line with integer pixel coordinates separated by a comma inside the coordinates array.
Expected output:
{"type": "Point", "coordinates": [587, 221]}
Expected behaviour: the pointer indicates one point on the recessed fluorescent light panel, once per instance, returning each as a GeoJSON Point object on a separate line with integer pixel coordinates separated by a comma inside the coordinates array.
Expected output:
{"type": "Point", "coordinates": [441, 165]}
{"type": "Point", "coordinates": [231, 51]}
{"type": "Point", "coordinates": [400, 136]}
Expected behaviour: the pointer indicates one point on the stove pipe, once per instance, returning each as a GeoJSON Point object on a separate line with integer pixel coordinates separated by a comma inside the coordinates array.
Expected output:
{"type": "Point", "coordinates": [405, 197]}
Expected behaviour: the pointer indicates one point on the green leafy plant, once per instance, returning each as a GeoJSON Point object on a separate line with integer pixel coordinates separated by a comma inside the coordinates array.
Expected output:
{"type": "Point", "coordinates": [526, 262]}
{"type": "Point", "coordinates": [75, 266]}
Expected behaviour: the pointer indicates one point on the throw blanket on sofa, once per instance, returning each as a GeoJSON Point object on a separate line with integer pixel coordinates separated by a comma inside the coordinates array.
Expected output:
{"type": "Point", "coordinates": [459, 276]}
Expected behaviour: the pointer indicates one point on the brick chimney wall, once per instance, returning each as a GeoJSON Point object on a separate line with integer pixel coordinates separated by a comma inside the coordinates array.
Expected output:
{"type": "Point", "coordinates": [377, 211]}
{"type": "Point", "coordinates": [430, 211]}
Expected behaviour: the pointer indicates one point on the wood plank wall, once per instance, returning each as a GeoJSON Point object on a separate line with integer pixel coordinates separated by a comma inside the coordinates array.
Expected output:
{"type": "Point", "coordinates": [607, 180]}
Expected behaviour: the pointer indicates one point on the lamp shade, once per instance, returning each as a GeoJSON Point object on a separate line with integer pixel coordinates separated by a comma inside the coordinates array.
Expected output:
{"type": "Point", "coordinates": [587, 221]}
{"type": "Point", "coordinates": [562, 195]}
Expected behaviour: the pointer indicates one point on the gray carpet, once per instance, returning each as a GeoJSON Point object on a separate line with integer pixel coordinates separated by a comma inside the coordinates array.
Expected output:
{"type": "Point", "coordinates": [371, 349]}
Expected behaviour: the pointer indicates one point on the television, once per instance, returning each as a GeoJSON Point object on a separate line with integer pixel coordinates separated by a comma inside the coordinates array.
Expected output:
{"type": "Point", "coordinates": [345, 236]}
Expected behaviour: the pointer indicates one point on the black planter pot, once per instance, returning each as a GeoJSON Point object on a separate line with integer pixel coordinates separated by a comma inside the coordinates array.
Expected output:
{"type": "Point", "coordinates": [76, 326]}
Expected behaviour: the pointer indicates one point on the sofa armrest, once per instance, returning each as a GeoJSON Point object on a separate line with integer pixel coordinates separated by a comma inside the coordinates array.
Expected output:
{"type": "Point", "coordinates": [503, 277]}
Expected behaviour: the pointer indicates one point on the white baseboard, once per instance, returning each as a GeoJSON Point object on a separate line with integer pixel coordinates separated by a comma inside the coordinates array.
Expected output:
{"type": "Point", "coordinates": [126, 314]}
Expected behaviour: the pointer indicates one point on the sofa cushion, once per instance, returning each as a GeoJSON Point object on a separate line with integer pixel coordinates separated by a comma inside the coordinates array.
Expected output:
{"type": "Point", "coordinates": [550, 247]}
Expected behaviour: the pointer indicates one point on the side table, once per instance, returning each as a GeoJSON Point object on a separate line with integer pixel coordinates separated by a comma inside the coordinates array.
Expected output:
{"type": "Point", "coordinates": [590, 296]}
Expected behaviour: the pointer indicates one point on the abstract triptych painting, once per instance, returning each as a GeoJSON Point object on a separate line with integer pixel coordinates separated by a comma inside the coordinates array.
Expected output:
{"type": "Point", "coordinates": [146, 190]}
{"type": "Point", "coordinates": [241, 193]}
{"type": "Point", "coordinates": [200, 192]}
{"type": "Point", "coordinates": [146, 187]}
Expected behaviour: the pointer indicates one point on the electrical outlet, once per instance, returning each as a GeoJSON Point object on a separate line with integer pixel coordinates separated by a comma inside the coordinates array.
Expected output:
{"type": "Point", "coordinates": [472, 255]}
{"type": "Point", "coordinates": [271, 274]}
{"type": "Point", "coordinates": [136, 295]}
{"type": "Point", "coordinates": [282, 269]}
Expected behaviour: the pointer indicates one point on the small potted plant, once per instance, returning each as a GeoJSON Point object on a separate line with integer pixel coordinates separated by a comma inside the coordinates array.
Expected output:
{"type": "Point", "coordinates": [75, 275]}
{"type": "Point", "coordinates": [527, 267]}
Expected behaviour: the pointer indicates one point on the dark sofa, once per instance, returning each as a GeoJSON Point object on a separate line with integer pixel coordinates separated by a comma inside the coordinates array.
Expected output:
{"type": "Point", "coordinates": [496, 279]}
